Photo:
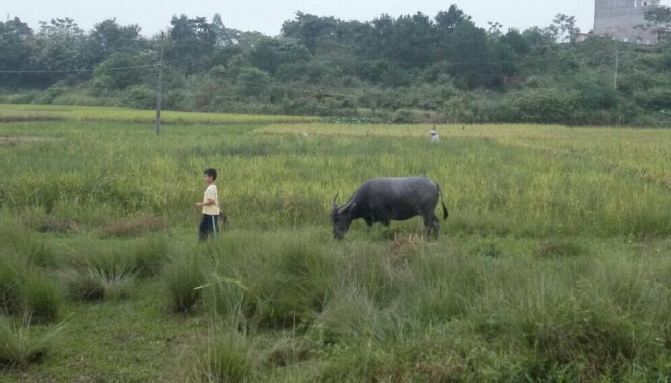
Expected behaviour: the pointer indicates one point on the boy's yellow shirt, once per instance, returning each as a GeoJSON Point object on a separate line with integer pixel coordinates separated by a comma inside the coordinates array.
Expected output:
{"type": "Point", "coordinates": [211, 193]}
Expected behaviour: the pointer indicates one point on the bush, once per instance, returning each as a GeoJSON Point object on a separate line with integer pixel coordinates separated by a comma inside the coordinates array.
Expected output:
{"type": "Point", "coordinates": [545, 105]}
{"type": "Point", "coordinates": [183, 278]}
{"type": "Point", "coordinates": [139, 97]}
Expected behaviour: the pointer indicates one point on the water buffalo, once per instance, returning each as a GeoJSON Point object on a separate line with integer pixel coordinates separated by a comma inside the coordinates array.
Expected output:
{"type": "Point", "coordinates": [390, 199]}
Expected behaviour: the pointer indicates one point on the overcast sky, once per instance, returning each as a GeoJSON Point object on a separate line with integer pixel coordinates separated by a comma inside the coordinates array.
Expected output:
{"type": "Point", "coordinates": [267, 16]}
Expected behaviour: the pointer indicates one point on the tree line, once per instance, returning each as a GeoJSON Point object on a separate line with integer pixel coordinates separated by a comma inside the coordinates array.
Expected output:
{"type": "Point", "coordinates": [410, 68]}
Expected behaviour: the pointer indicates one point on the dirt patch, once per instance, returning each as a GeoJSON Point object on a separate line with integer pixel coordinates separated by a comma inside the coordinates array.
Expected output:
{"type": "Point", "coordinates": [61, 226]}
{"type": "Point", "coordinates": [134, 226]}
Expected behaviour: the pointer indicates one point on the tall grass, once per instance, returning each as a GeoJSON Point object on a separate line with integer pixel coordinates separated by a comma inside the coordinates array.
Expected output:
{"type": "Point", "coordinates": [554, 267]}
{"type": "Point", "coordinates": [275, 283]}
{"type": "Point", "coordinates": [25, 291]}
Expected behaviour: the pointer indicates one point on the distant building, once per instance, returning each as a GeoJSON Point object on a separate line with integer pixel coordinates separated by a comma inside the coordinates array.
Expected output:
{"type": "Point", "coordinates": [622, 20]}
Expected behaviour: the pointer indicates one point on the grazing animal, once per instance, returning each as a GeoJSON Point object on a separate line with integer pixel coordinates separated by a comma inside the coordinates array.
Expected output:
{"type": "Point", "coordinates": [390, 199]}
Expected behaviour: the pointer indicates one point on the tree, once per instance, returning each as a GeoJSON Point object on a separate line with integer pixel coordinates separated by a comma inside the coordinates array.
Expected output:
{"type": "Point", "coordinates": [447, 21]}
{"type": "Point", "coordinates": [192, 42]}
{"type": "Point", "coordinates": [309, 29]}
{"type": "Point", "coordinates": [16, 47]}
{"type": "Point", "coordinates": [564, 28]}
{"type": "Point", "coordinates": [60, 45]}
{"type": "Point", "coordinates": [514, 39]}
{"type": "Point", "coordinates": [253, 82]}
{"type": "Point", "coordinates": [107, 76]}
{"type": "Point", "coordinates": [659, 20]}
{"type": "Point", "coordinates": [473, 63]}
{"type": "Point", "coordinates": [269, 54]}
{"type": "Point", "coordinates": [108, 37]}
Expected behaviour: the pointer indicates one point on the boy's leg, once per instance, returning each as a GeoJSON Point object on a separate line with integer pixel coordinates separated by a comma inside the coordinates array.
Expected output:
{"type": "Point", "coordinates": [215, 225]}
{"type": "Point", "coordinates": [203, 228]}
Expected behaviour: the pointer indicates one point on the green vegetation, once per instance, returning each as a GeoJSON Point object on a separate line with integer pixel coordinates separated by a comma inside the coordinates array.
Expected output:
{"type": "Point", "coordinates": [553, 266]}
{"type": "Point", "coordinates": [412, 68]}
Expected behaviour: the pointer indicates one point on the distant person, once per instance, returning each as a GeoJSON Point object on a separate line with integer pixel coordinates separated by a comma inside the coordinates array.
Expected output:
{"type": "Point", "coordinates": [434, 135]}
{"type": "Point", "coordinates": [209, 225]}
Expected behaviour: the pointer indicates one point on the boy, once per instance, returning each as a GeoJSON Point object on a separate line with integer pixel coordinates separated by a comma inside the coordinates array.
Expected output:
{"type": "Point", "coordinates": [210, 207]}
{"type": "Point", "coordinates": [434, 135]}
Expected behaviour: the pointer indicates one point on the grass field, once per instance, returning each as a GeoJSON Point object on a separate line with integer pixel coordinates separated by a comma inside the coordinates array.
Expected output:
{"type": "Point", "coordinates": [555, 264]}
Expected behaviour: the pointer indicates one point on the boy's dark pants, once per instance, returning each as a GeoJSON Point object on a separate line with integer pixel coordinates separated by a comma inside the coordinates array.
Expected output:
{"type": "Point", "coordinates": [209, 226]}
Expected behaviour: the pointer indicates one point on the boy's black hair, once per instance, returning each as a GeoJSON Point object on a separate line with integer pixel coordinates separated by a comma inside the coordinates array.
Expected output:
{"type": "Point", "coordinates": [211, 173]}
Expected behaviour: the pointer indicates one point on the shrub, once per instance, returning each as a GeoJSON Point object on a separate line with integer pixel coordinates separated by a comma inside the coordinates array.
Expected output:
{"type": "Point", "coordinates": [139, 97]}
{"type": "Point", "coordinates": [182, 279]}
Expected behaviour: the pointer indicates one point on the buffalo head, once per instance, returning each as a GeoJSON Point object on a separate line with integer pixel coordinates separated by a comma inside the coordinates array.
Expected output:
{"type": "Point", "coordinates": [341, 219]}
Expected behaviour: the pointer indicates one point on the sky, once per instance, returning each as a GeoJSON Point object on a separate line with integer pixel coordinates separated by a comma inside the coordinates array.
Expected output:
{"type": "Point", "coordinates": [268, 16]}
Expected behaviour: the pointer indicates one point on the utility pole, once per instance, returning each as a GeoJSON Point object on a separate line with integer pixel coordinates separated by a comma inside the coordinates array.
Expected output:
{"type": "Point", "coordinates": [617, 67]}
{"type": "Point", "coordinates": [159, 88]}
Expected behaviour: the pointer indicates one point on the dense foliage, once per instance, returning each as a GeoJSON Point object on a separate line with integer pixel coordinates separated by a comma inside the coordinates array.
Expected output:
{"type": "Point", "coordinates": [405, 69]}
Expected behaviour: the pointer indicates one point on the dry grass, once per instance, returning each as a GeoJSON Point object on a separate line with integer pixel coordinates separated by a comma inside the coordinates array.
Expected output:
{"type": "Point", "coordinates": [56, 225]}
{"type": "Point", "coordinates": [134, 226]}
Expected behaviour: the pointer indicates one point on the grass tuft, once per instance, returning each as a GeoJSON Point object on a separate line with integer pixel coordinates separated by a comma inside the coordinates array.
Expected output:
{"type": "Point", "coordinates": [182, 279]}
{"type": "Point", "coordinates": [21, 346]}
{"type": "Point", "coordinates": [226, 359]}
{"type": "Point", "coordinates": [42, 297]}
{"type": "Point", "coordinates": [150, 255]}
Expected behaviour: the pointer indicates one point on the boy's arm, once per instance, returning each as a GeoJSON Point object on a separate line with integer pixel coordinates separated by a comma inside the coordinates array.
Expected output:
{"type": "Point", "coordinates": [208, 201]}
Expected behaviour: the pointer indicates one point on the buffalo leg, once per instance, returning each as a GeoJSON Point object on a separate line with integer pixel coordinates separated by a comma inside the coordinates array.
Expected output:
{"type": "Point", "coordinates": [436, 227]}
{"type": "Point", "coordinates": [431, 224]}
